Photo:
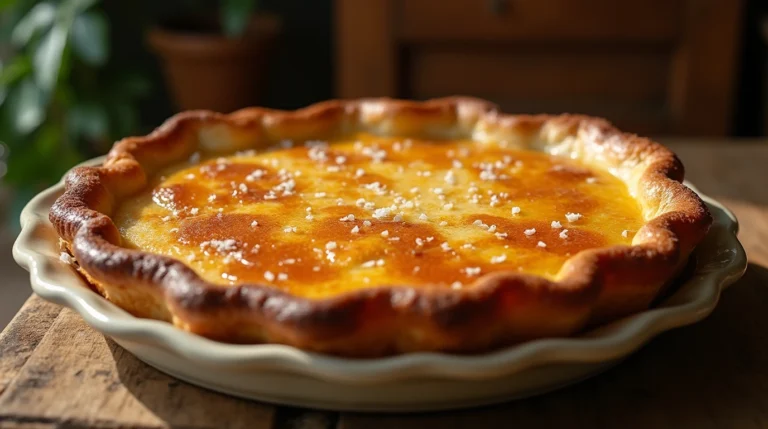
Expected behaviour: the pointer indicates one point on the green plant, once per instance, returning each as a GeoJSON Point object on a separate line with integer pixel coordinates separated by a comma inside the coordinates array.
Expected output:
{"type": "Point", "coordinates": [234, 16]}
{"type": "Point", "coordinates": [59, 100]}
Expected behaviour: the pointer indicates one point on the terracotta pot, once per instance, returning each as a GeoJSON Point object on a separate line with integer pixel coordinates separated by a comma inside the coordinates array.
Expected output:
{"type": "Point", "coordinates": [206, 70]}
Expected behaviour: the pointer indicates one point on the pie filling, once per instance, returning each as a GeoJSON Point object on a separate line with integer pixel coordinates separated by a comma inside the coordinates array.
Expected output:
{"type": "Point", "coordinates": [319, 218]}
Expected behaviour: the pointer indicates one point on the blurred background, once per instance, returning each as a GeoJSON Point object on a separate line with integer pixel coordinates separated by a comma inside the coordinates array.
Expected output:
{"type": "Point", "coordinates": [76, 75]}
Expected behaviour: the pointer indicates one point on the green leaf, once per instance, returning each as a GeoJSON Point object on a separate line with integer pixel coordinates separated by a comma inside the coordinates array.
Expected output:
{"type": "Point", "coordinates": [90, 38]}
{"type": "Point", "coordinates": [47, 140]}
{"type": "Point", "coordinates": [5, 4]}
{"type": "Point", "coordinates": [235, 15]}
{"type": "Point", "coordinates": [19, 67]}
{"type": "Point", "coordinates": [41, 159]}
{"type": "Point", "coordinates": [39, 18]}
{"type": "Point", "coordinates": [3, 93]}
{"type": "Point", "coordinates": [27, 107]}
{"type": "Point", "coordinates": [47, 58]}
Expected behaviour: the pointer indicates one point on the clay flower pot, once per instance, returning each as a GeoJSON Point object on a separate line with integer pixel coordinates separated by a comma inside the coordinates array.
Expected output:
{"type": "Point", "coordinates": [206, 70]}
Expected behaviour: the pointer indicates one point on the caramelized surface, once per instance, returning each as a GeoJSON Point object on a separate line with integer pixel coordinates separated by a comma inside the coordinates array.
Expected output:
{"type": "Point", "coordinates": [318, 219]}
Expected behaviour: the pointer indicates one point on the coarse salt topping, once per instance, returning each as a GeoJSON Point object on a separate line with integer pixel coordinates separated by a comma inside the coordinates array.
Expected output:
{"type": "Point", "coordinates": [472, 271]}
{"type": "Point", "coordinates": [573, 217]}
{"type": "Point", "coordinates": [498, 259]}
{"type": "Point", "coordinates": [450, 177]}
{"type": "Point", "coordinates": [381, 213]}
{"type": "Point", "coordinates": [220, 246]}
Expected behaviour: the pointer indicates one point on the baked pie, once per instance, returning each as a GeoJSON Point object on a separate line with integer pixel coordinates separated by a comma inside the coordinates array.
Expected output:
{"type": "Point", "coordinates": [377, 227]}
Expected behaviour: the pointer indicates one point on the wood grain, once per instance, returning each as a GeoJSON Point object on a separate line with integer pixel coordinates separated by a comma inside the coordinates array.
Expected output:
{"type": "Point", "coordinates": [366, 60]}
{"type": "Point", "coordinates": [56, 372]}
{"type": "Point", "coordinates": [541, 74]}
{"type": "Point", "coordinates": [521, 79]}
{"type": "Point", "coordinates": [77, 377]}
{"type": "Point", "coordinates": [534, 20]}
{"type": "Point", "coordinates": [703, 74]}
{"type": "Point", "coordinates": [20, 338]}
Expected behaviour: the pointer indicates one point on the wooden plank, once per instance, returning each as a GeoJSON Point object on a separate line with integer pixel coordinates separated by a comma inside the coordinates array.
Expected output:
{"type": "Point", "coordinates": [590, 80]}
{"type": "Point", "coordinates": [533, 20]}
{"type": "Point", "coordinates": [702, 79]}
{"type": "Point", "coordinates": [541, 73]}
{"type": "Point", "coordinates": [20, 338]}
{"type": "Point", "coordinates": [366, 60]}
{"type": "Point", "coordinates": [31, 425]}
{"type": "Point", "coordinates": [77, 377]}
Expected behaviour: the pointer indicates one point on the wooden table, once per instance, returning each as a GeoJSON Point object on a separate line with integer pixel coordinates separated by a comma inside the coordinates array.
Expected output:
{"type": "Point", "coordinates": [57, 372]}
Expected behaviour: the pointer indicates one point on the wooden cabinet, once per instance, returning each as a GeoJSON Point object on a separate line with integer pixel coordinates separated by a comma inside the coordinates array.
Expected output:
{"type": "Point", "coordinates": [651, 66]}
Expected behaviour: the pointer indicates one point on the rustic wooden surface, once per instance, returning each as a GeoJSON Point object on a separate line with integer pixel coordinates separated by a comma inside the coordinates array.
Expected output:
{"type": "Point", "coordinates": [56, 372]}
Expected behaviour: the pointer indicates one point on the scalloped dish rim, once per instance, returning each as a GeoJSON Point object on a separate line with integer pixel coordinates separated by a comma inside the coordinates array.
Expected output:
{"type": "Point", "coordinates": [691, 302]}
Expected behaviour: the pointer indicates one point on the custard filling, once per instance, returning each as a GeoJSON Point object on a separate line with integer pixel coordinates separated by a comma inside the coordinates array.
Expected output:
{"type": "Point", "coordinates": [319, 218]}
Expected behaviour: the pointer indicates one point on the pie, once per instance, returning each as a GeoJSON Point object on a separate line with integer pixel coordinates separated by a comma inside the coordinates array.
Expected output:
{"type": "Point", "coordinates": [376, 227]}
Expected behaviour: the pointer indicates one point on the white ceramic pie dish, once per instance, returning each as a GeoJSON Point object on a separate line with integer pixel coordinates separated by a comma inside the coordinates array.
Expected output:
{"type": "Point", "coordinates": [413, 382]}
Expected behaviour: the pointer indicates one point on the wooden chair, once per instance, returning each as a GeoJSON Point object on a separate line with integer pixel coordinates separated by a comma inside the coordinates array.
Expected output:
{"type": "Point", "coordinates": [651, 66]}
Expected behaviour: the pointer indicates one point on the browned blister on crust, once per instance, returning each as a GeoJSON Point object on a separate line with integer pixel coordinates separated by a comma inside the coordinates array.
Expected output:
{"type": "Point", "coordinates": [594, 286]}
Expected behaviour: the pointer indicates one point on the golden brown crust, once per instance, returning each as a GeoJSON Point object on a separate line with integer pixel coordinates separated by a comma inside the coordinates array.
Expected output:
{"type": "Point", "coordinates": [593, 287]}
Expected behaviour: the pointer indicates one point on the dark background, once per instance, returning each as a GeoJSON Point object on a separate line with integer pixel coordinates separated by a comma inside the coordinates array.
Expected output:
{"type": "Point", "coordinates": [300, 74]}
{"type": "Point", "coordinates": [302, 70]}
